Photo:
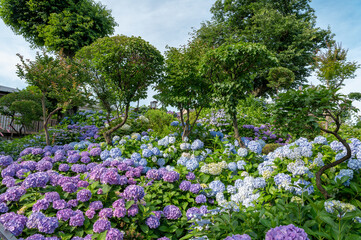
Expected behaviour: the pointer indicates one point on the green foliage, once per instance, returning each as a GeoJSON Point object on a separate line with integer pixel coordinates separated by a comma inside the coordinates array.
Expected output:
{"type": "Point", "coordinates": [300, 112]}
{"type": "Point", "coordinates": [286, 28]}
{"type": "Point", "coordinates": [159, 122]}
{"type": "Point", "coordinates": [67, 25]}
{"type": "Point", "coordinates": [332, 68]}
{"type": "Point", "coordinates": [56, 77]}
{"type": "Point", "coordinates": [183, 86]}
{"type": "Point", "coordinates": [22, 106]}
{"type": "Point", "coordinates": [129, 66]}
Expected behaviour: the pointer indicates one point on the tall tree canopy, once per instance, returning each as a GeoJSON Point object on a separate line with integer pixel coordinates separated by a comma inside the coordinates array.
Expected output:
{"type": "Point", "coordinates": [286, 28]}
{"type": "Point", "coordinates": [66, 24]}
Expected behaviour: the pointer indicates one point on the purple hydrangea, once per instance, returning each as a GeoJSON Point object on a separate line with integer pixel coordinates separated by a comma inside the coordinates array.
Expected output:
{"type": "Point", "coordinates": [110, 177]}
{"type": "Point", "coordinates": [171, 176]}
{"type": "Point", "coordinates": [192, 212]}
{"type": "Point", "coordinates": [79, 168]}
{"type": "Point", "coordinates": [172, 212]}
{"type": "Point", "coordinates": [191, 176]}
{"type": "Point", "coordinates": [95, 151]}
{"type": "Point", "coordinates": [133, 210]}
{"type": "Point", "coordinates": [133, 192]}
{"type": "Point", "coordinates": [114, 234]}
{"type": "Point", "coordinates": [152, 222]}
{"type": "Point", "coordinates": [97, 205]}
{"type": "Point", "coordinates": [195, 188]}
{"type": "Point", "coordinates": [72, 203]}
{"type": "Point", "coordinates": [101, 226]}
{"type": "Point", "coordinates": [3, 207]}
{"type": "Point", "coordinates": [9, 181]}
{"type": "Point", "coordinates": [14, 193]}
{"type": "Point", "coordinates": [118, 203]}
{"type": "Point", "coordinates": [43, 166]}
{"type": "Point", "coordinates": [48, 225]}
{"type": "Point", "coordinates": [238, 237]}
{"type": "Point", "coordinates": [5, 161]}
{"type": "Point", "coordinates": [36, 237]}
{"type": "Point", "coordinates": [84, 195]}
{"type": "Point", "coordinates": [41, 204]}
{"type": "Point", "coordinates": [288, 232]}
{"type": "Point", "coordinates": [13, 222]}
{"type": "Point", "coordinates": [65, 214]}
{"type": "Point", "coordinates": [119, 212]}
{"type": "Point", "coordinates": [106, 213]}
{"type": "Point", "coordinates": [201, 199]}
{"type": "Point", "coordinates": [38, 179]}
{"type": "Point", "coordinates": [69, 187]}
{"type": "Point", "coordinates": [60, 204]}
{"type": "Point", "coordinates": [77, 220]}
{"type": "Point", "coordinates": [64, 167]}
{"type": "Point", "coordinates": [90, 213]}
{"type": "Point", "coordinates": [185, 185]}
{"type": "Point", "coordinates": [82, 184]}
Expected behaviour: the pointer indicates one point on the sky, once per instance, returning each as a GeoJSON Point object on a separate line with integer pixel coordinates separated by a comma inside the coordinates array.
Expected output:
{"type": "Point", "coordinates": [169, 22]}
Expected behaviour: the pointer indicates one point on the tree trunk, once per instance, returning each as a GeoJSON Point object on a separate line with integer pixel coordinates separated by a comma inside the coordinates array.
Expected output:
{"type": "Point", "coordinates": [236, 130]}
{"type": "Point", "coordinates": [44, 119]}
{"type": "Point", "coordinates": [108, 134]}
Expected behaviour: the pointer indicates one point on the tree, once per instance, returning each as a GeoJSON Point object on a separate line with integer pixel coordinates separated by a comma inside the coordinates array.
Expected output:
{"type": "Point", "coordinates": [183, 86]}
{"type": "Point", "coordinates": [56, 77]}
{"type": "Point", "coordinates": [231, 69]}
{"type": "Point", "coordinates": [301, 111]}
{"type": "Point", "coordinates": [67, 25]}
{"type": "Point", "coordinates": [129, 65]}
{"type": "Point", "coordinates": [286, 28]}
{"type": "Point", "coordinates": [23, 107]}
{"type": "Point", "coordinates": [332, 68]}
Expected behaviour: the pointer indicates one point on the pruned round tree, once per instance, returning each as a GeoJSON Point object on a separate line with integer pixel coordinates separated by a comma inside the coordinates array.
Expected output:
{"type": "Point", "coordinates": [231, 69]}
{"type": "Point", "coordinates": [129, 66]}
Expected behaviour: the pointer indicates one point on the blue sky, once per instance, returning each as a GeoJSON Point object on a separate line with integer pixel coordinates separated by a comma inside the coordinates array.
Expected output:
{"type": "Point", "coordinates": [168, 22]}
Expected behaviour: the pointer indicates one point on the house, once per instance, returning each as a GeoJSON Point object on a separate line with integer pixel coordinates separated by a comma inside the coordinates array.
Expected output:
{"type": "Point", "coordinates": [6, 90]}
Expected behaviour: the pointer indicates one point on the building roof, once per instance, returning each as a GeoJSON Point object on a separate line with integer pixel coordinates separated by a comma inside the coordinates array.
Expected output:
{"type": "Point", "coordinates": [7, 89]}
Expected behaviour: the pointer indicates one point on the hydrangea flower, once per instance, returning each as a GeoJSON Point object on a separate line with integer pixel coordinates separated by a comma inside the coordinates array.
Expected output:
{"type": "Point", "coordinates": [114, 234]}
{"type": "Point", "coordinates": [288, 232]}
{"type": "Point", "coordinates": [84, 195]}
{"type": "Point", "coordinates": [101, 226]}
{"type": "Point", "coordinates": [172, 212]}
{"type": "Point", "coordinates": [152, 222]}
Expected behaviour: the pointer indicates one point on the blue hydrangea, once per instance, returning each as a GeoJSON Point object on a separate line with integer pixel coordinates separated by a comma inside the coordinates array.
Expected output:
{"type": "Point", "coordinates": [320, 140]}
{"type": "Point", "coordinates": [255, 146]}
{"type": "Point", "coordinates": [147, 153]}
{"type": "Point", "coordinates": [160, 162]}
{"type": "Point", "coordinates": [241, 164]}
{"type": "Point", "coordinates": [192, 164]}
{"type": "Point", "coordinates": [343, 173]}
{"type": "Point", "coordinates": [136, 156]}
{"type": "Point", "coordinates": [156, 151]}
{"type": "Point", "coordinates": [197, 144]}
{"type": "Point", "coordinates": [185, 146]}
{"type": "Point", "coordinates": [115, 152]}
{"type": "Point", "coordinates": [232, 166]}
{"type": "Point", "coordinates": [144, 146]}
{"type": "Point", "coordinates": [354, 164]}
{"type": "Point", "coordinates": [145, 138]}
{"type": "Point", "coordinates": [217, 186]}
{"type": "Point", "coordinates": [302, 186]}
{"type": "Point", "coordinates": [242, 152]}
{"type": "Point", "coordinates": [174, 123]}
{"type": "Point", "coordinates": [143, 162]}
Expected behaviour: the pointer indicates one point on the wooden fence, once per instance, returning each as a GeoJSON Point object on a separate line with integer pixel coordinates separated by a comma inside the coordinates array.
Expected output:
{"type": "Point", "coordinates": [35, 128]}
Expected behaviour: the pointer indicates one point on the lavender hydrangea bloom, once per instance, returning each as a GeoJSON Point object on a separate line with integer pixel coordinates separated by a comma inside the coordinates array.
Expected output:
{"type": "Point", "coordinates": [69, 187]}
{"type": "Point", "coordinates": [288, 232]}
{"type": "Point", "coordinates": [14, 193]}
{"type": "Point", "coordinates": [65, 214]}
{"type": "Point", "coordinates": [9, 181]}
{"type": "Point", "coordinates": [110, 177]}
{"type": "Point", "coordinates": [79, 168]}
{"type": "Point", "coordinates": [84, 195]}
{"type": "Point", "coordinates": [114, 234]}
{"type": "Point", "coordinates": [13, 222]}
{"type": "Point", "coordinates": [97, 205]}
{"type": "Point", "coordinates": [154, 174]}
{"type": "Point", "coordinates": [185, 185]}
{"type": "Point", "coordinates": [172, 212]}
{"type": "Point", "coordinates": [238, 237]}
{"type": "Point", "coordinates": [195, 188]}
{"type": "Point", "coordinates": [90, 213]}
{"type": "Point", "coordinates": [3, 207]}
{"type": "Point", "coordinates": [115, 152]}
{"type": "Point", "coordinates": [118, 203]}
{"type": "Point", "coordinates": [163, 238]}
{"type": "Point", "coordinates": [171, 176]}
{"type": "Point", "coordinates": [119, 212]}
{"type": "Point", "coordinates": [152, 222]}
{"type": "Point", "coordinates": [101, 226]}
{"type": "Point", "coordinates": [95, 151]}
{"type": "Point", "coordinates": [6, 161]}
{"type": "Point", "coordinates": [192, 212]}
{"type": "Point", "coordinates": [39, 179]}
{"type": "Point", "coordinates": [64, 167]}
{"type": "Point", "coordinates": [48, 225]}
{"type": "Point", "coordinates": [201, 199]}
{"type": "Point", "coordinates": [133, 210]}
{"type": "Point", "coordinates": [133, 192]}
{"type": "Point", "coordinates": [60, 204]}
{"type": "Point", "coordinates": [77, 220]}
{"type": "Point", "coordinates": [73, 158]}
{"type": "Point", "coordinates": [41, 204]}
{"type": "Point", "coordinates": [36, 237]}
{"type": "Point", "coordinates": [191, 176]}
{"type": "Point", "coordinates": [43, 166]}
{"type": "Point", "coordinates": [106, 213]}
